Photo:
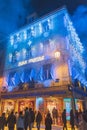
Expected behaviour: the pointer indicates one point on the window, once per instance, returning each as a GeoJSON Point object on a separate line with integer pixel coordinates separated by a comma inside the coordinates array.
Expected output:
{"type": "Point", "coordinates": [47, 71]}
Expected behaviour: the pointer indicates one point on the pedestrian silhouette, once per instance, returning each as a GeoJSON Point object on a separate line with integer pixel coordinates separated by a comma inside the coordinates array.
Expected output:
{"type": "Point", "coordinates": [48, 122]}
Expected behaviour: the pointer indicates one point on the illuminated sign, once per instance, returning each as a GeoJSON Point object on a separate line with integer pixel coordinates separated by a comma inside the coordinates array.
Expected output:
{"type": "Point", "coordinates": [33, 60]}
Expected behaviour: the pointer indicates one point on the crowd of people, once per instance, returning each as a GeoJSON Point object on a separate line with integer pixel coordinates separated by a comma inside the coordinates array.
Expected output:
{"type": "Point", "coordinates": [78, 119]}
{"type": "Point", "coordinates": [25, 120]}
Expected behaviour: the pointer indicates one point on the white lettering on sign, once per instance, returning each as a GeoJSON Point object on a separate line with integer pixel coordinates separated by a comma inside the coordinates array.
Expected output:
{"type": "Point", "coordinates": [33, 60]}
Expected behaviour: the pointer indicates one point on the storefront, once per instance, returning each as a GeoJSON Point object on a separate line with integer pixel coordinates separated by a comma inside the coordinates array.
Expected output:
{"type": "Point", "coordinates": [42, 103]}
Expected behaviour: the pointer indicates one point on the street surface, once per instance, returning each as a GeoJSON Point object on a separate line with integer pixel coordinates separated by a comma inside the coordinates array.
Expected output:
{"type": "Point", "coordinates": [53, 128]}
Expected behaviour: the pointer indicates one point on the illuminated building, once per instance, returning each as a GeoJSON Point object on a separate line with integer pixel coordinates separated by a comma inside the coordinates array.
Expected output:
{"type": "Point", "coordinates": [42, 59]}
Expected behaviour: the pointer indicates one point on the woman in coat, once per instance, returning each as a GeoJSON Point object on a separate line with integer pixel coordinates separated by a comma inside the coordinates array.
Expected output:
{"type": "Point", "coordinates": [20, 121]}
{"type": "Point", "coordinates": [48, 122]}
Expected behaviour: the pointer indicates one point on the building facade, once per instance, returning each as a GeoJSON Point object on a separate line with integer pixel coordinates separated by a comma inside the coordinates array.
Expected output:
{"type": "Point", "coordinates": [42, 60]}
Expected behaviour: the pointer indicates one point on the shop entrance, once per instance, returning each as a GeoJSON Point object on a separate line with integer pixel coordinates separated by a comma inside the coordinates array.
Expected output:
{"type": "Point", "coordinates": [55, 106]}
{"type": "Point", "coordinates": [17, 105]}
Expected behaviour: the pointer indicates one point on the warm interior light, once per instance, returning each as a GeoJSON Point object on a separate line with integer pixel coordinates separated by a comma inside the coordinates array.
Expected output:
{"type": "Point", "coordinates": [57, 54]}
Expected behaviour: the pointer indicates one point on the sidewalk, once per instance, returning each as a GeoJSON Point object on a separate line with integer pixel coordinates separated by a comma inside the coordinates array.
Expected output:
{"type": "Point", "coordinates": [43, 128]}
{"type": "Point", "coordinates": [53, 128]}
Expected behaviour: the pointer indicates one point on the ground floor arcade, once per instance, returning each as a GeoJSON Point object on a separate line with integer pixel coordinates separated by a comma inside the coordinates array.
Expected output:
{"type": "Point", "coordinates": [43, 100]}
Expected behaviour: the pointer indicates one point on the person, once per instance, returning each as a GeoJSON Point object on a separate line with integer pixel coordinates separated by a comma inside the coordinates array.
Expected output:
{"type": "Point", "coordinates": [26, 118]}
{"type": "Point", "coordinates": [84, 116]}
{"type": "Point", "coordinates": [11, 121]}
{"type": "Point", "coordinates": [38, 119]}
{"type": "Point", "coordinates": [76, 118]}
{"type": "Point", "coordinates": [55, 115]}
{"type": "Point", "coordinates": [16, 115]}
{"type": "Point", "coordinates": [80, 112]}
{"type": "Point", "coordinates": [32, 117]}
{"type": "Point", "coordinates": [48, 122]}
{"type": "Point", "coordinates": [20, 121]}
{"type": "Point", "coordinates": [81, 125]}
{"type": "Point", "coordinates": [64, 119]}
{"type": "Point", "coordinates": [72, 120]}
{"type": "Point", "coordinates": [2, 121]}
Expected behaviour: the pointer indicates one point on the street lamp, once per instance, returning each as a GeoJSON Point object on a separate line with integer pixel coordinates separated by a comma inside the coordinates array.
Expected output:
{"type": "Point", "coordinates": [57, 54]}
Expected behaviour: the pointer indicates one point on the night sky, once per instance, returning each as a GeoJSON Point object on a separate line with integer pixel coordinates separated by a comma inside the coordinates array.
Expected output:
{"type": "Point", "coordinates": [46, 6]}
{"type": "Point", "coordinates": [13, 15]}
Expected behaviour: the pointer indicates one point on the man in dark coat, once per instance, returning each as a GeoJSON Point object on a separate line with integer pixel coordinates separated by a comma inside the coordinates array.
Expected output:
{"type": "Point", "coordinates": [55, 115]}
{"type": "Point", "coordinates": [11, 121]}
{"type": "Point", "coordinates": [48, 122]}
{"type": "Point", "coordinates": [2, 121]}
{"type": "Point", "coordinates": [28, 119]}
{"type": "Point", "coordinates": [31, 118]}
{"type": "Point", "coordinates": [64, 119]}
{"type": "Point", "coordinates": [72, 120]}
{"type": "Point", "coordinates": [38, 120]}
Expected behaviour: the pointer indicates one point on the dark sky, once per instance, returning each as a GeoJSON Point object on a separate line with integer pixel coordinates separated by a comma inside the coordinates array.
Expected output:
{"type": "Point", "coordinates": [42, 6]}
{"type": "Point", "coordinates": [13, 15]}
